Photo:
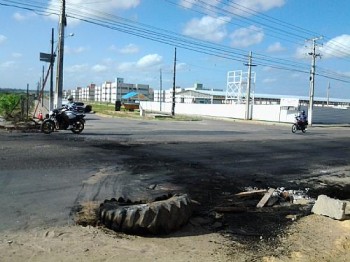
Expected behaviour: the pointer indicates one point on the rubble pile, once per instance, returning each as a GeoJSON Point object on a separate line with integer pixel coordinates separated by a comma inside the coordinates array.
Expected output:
{"type": "Point", "coordinates": [324, 205]}
{"type": "Point", "coordinates": [279, 196]}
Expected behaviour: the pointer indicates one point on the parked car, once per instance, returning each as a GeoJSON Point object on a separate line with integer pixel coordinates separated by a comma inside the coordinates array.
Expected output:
{"type": "Point", "coordinates": [78, 106]}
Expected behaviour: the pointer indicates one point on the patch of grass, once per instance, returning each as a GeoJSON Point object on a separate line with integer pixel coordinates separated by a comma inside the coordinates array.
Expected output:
{"type": "Point", "coordinates": [108, 109]}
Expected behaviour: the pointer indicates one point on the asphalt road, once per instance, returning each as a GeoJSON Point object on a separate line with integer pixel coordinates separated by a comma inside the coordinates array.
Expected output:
{"type": "Point", "coordinates": [43, 178]}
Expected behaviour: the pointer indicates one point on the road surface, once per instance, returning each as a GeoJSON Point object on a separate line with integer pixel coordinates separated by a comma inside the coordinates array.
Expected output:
{"type": "Point", "coordinates": [44, 178]}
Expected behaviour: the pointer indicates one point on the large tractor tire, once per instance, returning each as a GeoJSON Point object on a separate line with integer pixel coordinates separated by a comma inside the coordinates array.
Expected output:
{"type": "Point", "coordinates": [158, 217]}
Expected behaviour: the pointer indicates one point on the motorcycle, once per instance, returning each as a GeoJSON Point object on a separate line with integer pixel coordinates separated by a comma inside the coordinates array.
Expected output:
{"type": "Point", "coordinates": [299, 125]}
{"type": "Point", "coordinates": [61, 119]}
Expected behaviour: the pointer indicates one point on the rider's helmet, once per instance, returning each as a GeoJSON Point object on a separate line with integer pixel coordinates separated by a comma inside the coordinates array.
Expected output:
{"type": "Point", "coordinates": [70, 98]}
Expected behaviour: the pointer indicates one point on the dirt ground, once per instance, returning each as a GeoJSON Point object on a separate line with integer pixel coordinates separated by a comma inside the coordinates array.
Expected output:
{"type": "Point", "coordinates": [311, 238]}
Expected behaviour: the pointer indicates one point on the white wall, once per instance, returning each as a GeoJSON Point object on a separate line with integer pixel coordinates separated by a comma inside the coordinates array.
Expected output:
{"type": "Point", "coordinates": [260, 112]}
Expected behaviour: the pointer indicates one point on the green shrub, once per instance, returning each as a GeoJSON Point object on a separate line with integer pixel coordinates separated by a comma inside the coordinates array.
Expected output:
{"type": "Point", "coordinates": [9, 104]}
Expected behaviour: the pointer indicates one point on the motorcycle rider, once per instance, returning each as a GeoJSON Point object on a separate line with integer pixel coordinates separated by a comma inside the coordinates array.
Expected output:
{"type": "Point", "coordinates": [302, 118]}
{"type": "Point", "coordinates": [67, 114]}
{"type": "Point", "coordinates": [70, 103]}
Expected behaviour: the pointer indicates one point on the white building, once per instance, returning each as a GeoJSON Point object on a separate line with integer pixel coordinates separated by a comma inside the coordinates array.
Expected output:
{"type": "Point", "coordinates": [195, 94]}
{"type": "Point", "coordinates": [108, 91]}
{"type": "Point", "coordinates": [113, 91]}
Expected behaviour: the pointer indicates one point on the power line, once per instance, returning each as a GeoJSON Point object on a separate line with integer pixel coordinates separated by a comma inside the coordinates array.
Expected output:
{"type": "Point", "coordinates": [170, 38]}
{"type": "Point", "coordinates": [278, 27]}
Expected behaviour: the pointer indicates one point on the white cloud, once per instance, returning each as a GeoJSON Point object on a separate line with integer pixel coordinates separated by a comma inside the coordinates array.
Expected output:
{"type": "Point", "coordinates": [191, 3]}
{"type": "Point", "coordinates": [248, 36]}
{"type": "Point", "coordinates": [302, 52]}
{"type": "Point", "coordinates": [19, 17]}
{"type": "Point", "coordinates": [99, 68]}
{"type": "Point", "coordinates": [336, 47]}
{"type": "Point", "coordinates": [242, 6]}
{"type": "Point", "coordinates": [145, 63]}
{"type": "Point", "coordinates": [77, 68]}
{"type": "Point", "coordinates": [129, 49]}
{"type": "Point", "coordinates": [182, 67]}
{"type": "Point", "coordinates": [126, 66]}
{"type": "Point", "coordinates": [78, 50]}
{"type": "Point", "coordinates": [238, 7]}
{"type": "Point", "coordinates": [207, 28]}
{"type": "Point", "coordinates": [91, 8]}
{"type": "Point", "coordinates": [187, 3]}
{"type": "Point", "coordinates": [149, 61]}
{"type": "Point", "coordinates": [276, 47]}
{"type": "Point", "coordinates": [2, 39]}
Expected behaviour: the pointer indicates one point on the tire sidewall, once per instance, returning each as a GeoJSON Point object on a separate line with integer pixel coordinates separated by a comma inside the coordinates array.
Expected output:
{"type": "Point", "coordinates": [78, 130]}
{"type": "Point", "coordinates": [48, 122]}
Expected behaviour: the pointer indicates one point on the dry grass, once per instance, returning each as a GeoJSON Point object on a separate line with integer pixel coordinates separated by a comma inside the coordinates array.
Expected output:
{"type": "Point", "coordinates": [87, 214]}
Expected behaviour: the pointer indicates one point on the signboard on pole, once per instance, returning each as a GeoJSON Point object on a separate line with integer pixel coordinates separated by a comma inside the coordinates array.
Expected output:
{"type": "Point", "coordinates": [45, 57]}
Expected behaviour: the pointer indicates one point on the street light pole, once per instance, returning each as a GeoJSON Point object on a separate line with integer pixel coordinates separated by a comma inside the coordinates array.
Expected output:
{"type": "Point", "coordinates": [59, 76]}
{"type": "Point", "coordinates": [51, 105]}
{"type": "Point", "coordinates": [174, 87]}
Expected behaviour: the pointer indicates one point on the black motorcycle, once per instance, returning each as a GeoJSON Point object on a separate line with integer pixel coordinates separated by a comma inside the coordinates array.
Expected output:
{"type": "Point", "coordinates": [62, 119]}
{"type": "Point", "coordinates": [299, 125]}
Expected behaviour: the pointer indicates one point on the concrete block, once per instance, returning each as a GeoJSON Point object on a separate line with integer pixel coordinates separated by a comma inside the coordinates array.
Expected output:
{"type": "Point", "coordinates": [347, 208]}
{"type": "Point", "coordinates": [330, 207]}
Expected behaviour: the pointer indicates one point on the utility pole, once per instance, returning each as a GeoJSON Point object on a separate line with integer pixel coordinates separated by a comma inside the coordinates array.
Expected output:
{"type": "Point", "coordinates": [27, 101]}
{"type": "Point", "coordinates": [59, 76]}
{"type": "Point", "coordinates": [312, 78]}
{"type": "Point", "coordinates": [247, 110]}
{"type": "Point", "coordinates": [52, 60]}
{"type": "Point", "coordinates": [160, 90]}
{"type": "Point", "coordinates": [173, 105]}
{"type": "Point", "coordinates": [329, 87]}
{"type": "Point", "coordinates": [42, 87]}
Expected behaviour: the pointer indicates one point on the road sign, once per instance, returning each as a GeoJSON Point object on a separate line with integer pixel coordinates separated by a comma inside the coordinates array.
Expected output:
{"type": "Point", "coordinates": [45, 57]}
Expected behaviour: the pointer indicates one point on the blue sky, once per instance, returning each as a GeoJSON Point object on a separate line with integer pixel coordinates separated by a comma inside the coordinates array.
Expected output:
{"type": "Point", "coordinates": [134, 39]}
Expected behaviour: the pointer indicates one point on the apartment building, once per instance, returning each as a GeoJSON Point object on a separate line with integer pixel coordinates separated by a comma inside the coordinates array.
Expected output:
{"type": "Point", "coordinates": [108, 91]}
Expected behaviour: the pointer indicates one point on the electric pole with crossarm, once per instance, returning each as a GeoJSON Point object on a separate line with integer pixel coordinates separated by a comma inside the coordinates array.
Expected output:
{"type": "Point", "coordinates": [312, 78]}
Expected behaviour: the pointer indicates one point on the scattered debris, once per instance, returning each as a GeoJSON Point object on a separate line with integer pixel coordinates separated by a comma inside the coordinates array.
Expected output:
{"type": "Point", "coordinates": [252, 192]}
{"type": "Point", "coordinates": [266, 198]}
{"type": "Point", "coordinates": [270, 197]}
{"type": "Point", "coordinates": [280, 195]}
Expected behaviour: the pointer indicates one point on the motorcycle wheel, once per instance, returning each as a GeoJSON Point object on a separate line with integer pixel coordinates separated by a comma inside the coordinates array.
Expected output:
{"type": "Point", "coordinates": [78, 127]}
{"type": "Point", "coordinates": [303, 129]}
{"type": "Point", "coordinates": [294, 128]}
{"type": "Point", "coordinates": [47, 126]}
